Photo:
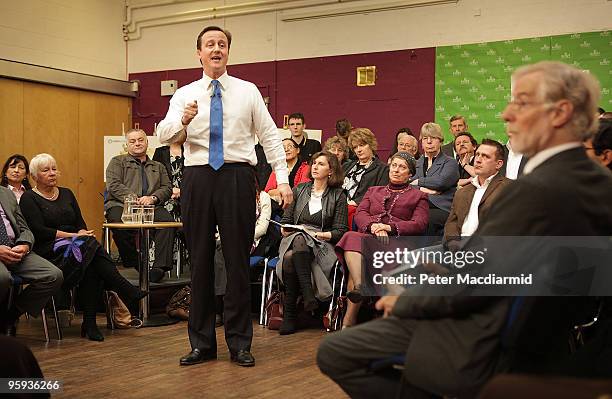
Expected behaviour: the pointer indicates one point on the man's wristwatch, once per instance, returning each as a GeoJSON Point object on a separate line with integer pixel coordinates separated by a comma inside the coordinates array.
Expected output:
{"type": "Point", "coordinates": [155, 199]}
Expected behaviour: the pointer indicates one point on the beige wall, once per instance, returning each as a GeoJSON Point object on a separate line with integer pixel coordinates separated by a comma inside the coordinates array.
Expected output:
{"type": "Point", "coordinates": [68, 124]}
{"type": "Point", "coordinates": [265, 37]}
{"type": "Point", "coordinates": [77, 35]}
{"type": "Point", "coordinates": [85, 36]}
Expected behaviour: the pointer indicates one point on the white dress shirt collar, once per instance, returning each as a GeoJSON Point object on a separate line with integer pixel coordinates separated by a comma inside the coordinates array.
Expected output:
{"type": "Point", "coordinates": [546, 154]}
{"type": "Point", "coordinates": [476, 182]}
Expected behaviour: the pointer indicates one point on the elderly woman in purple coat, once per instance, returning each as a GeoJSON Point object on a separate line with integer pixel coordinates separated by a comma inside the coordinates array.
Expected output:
{"type": "Point", "coordinates": [397, 209]}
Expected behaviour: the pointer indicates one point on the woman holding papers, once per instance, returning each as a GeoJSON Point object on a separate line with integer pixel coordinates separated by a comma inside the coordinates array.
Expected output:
{"type": "Point", "coordinates": [306, 252]}
{"type": "Point", "coordinates": [397, 209]}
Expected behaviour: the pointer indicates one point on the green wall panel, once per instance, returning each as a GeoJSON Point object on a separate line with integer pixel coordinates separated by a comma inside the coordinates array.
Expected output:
{"type": "Point", "coordinates": [474, 80]}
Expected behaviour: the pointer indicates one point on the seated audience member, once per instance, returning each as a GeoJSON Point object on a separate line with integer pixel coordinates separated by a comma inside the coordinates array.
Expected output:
{"type": "Point", "coordinates": [263, 168]}
{"type": "Point", "coordinates": [43, 279]}
{"type": "Point", "coordinates": [405, 142]}
{"type": "Point", "coordinates": [453, 344]}
{"type": "Point", "coordinates": [136, 174]}
{"type": "Point", "coordinates": [298, 169]}
{"type": "Point", "coordinates": [62, 237]}
{"type": "Point", "coordinates": [457, 124]}
{"type": "Point", "coordinates": [472, 203]}
{"type": "Point", "coordinates": [606, 116]}
{"type": "Point", "coordinates": [397, 209]}
{"type": "Point", "coordinates": [343, 128]}
{"type": "Point", "coordinates": [365, 171]}
{"type": "Point", "coordinates": [437, 175]}
{"type": "Point", "coordinates": [171, 156]}
{"type": "Point", "coordinates": [465, 146]}
{"type": "Point", "coordinates": [337, 146]}
{"type": "Point", "coordinates": [15, 175]}
{"type": "Point", "coordinates": [599, 147]}
{"type": "Point", "coordinates": [18, 363]}
{"type": "Point", "coordinates": [308, 257]}
{"type": "Point", "coordinates": [515, 162]}
{"type": "Point", "coordinates": [307, 146]}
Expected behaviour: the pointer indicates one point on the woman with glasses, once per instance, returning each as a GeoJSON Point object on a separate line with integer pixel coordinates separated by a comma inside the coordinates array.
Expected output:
{"type": "Point", "coordinates": [298, 169]}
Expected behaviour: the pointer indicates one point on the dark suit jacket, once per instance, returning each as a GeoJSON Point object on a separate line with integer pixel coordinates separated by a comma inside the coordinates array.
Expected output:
{"type": "Point", "coordinates": [463, 201]}
{"type": "Point", "coordinates": [442, 176]}
{"type": "Point", "coordinates": [456, 345]}
{"type": "Point", "coordinates": [449, 149]}
{"type": "Point", "coordinates": [23, 235]}
{"type": "Point", "coordinates": [377, 174]}
{"type": "Point", "coordinates": [309, 147]}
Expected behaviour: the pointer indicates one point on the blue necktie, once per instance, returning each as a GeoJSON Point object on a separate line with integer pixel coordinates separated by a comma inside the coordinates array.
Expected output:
{"type": "Point", "coordinates": [215, 145]}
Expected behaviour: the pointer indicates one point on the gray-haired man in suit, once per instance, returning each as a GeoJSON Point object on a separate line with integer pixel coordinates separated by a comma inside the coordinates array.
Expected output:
{"type": "Point", "coordinates": [42, 277]}
{"type": "Point", "coordinates": [452, 345]}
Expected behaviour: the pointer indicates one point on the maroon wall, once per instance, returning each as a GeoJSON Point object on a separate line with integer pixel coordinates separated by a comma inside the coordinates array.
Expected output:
{"type": "Point", "coordinates": [324, 90]}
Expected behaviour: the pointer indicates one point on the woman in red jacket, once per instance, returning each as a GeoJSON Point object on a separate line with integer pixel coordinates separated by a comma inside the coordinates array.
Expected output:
{"type": "Point", "coordinates": [298, 169]}
{"type": "Point", "coordinates": [397, 209]}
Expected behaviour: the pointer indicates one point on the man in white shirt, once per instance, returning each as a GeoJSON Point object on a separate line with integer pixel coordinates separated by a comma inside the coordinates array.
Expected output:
{"type": "Point", "coordinates": [472, 202]}
{"type": "Point", "coordinates": [515, 162]}
{"type": "Point", "coordinates": [220, 116]}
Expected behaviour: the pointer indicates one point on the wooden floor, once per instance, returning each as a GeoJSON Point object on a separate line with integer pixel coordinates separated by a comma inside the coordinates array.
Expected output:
{"type": "Point", "coordinates": [143, 363]}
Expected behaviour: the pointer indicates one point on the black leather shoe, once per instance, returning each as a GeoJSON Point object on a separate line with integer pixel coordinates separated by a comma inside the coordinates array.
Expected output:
{"type": "Point", "coordinates": [196, 356]}
{"type": "Point", "coordinates": [156, 275]}
{"type": "Point", "coordinates": [91, 331]}
{"type": "Point", "coordinates": [243, 358]}
{"type": "Point", "coordinates": [355, 295]}
{"type": "Point", "coordinates": [11, 330]}
{"type": "Point", "coordinates": [288, 326]}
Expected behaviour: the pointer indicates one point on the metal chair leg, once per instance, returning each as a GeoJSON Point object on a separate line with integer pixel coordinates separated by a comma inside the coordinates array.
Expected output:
{"type": "Point", "coordinates": [268, 295]}
{"type": "Point", "coordinates": [107, 239]}
{"type": "Point", "coordinates": [263, 292]}
{"type": "Point", "coordinates": [57, 323]}
{"type": "Point", "coordinates": [43, 315]}
{"type": "Point", "coordinates": [338, 323]}
{"type": "Point", "coordinates": [110, 322]}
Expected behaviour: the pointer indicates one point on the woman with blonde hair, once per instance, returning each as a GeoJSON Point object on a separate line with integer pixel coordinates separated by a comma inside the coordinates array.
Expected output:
{"type": "Point", "coordinates": [365, 171]}
{"type": "Point", "coordinates": [337, 146]}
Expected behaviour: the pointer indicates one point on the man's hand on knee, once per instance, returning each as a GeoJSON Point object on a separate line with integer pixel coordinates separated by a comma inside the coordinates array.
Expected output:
{"type": "Point", "coordinates": [8, 256]}
{"type": "Point", "coordinates": [386, 304]}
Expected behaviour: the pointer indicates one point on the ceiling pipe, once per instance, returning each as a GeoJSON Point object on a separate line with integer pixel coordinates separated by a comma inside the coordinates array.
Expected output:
{"type": "Point", "coordinates": [129, 9]}
{"type": "Point", "coordinates": [366, 9]}
{"type": "Point", "coordinates": [219, 9]}
{"type": "Point", "coordinates": [137, 34]}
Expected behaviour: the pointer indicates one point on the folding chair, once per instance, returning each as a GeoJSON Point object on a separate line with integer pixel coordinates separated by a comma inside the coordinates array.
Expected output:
{"type": "Point", "coordinates": [16, 284]}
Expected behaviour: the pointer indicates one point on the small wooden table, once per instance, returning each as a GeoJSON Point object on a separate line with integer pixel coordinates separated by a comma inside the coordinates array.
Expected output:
{"type": "Point", "coordinates": [144, 230]}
